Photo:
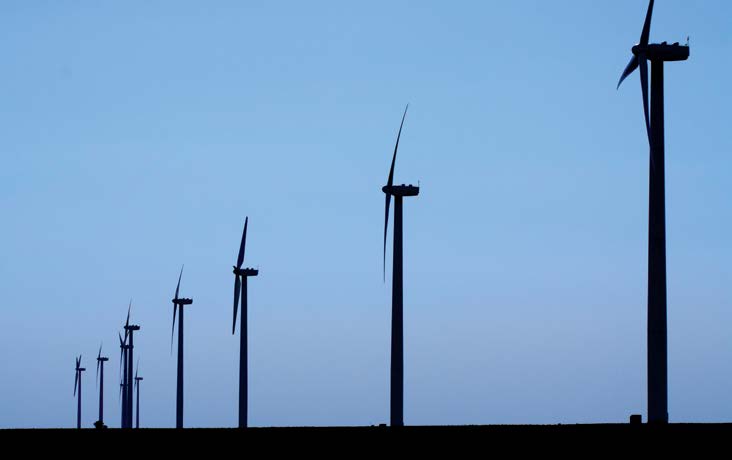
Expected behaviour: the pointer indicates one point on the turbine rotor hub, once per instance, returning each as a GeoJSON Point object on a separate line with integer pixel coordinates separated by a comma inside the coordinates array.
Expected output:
{"type": "Point", "coordinates": [246, 271]}
{"type": "Point", "coordinates": [662, 52]}
{"type": "Point", "coordinates": [401, 190]}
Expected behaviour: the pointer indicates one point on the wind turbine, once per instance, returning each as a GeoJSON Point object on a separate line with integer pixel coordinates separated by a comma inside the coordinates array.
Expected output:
{"type": "Point", "coordinates": [100, 365]}
{"type": "Point", "coordinates": [240, 287]}
{"type": "Point", "coordinates": [397, 306]}
{"type": "Point", "coordinates": [137, 387]}
{"type": "Point", "coordinates": [129, 334]}
{"type": "Point", "coordinates": [77, 382]}
{"type": "Point", "coordinates": [657, 332]}
{"type": "Point", "coordinates": [179, 303]}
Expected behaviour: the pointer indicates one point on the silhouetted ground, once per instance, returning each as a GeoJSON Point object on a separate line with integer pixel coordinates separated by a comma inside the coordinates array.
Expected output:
{"type": "Point", "coordinates": [346, 442]}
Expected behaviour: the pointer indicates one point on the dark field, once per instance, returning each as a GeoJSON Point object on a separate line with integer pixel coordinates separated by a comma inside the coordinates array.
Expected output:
{"type": "Point", "coordinates": [345, 442]}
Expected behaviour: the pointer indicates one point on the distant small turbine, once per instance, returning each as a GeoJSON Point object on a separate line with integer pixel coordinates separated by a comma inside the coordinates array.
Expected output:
{"type": "Point", "coordinates": [240, 287]}
{"type": "Point", "coordinates": [100, 382]}
{"type": "Point", "coordinates": [179, 303]}
{"type": "Point", "coordinates": [397, 305]}
{"type": "Point", "coordinates": [77, 383]}
{"type": "Point", "coordinates": [137, 387]}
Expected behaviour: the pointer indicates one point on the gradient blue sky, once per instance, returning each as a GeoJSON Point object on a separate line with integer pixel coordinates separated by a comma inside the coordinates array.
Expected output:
{"type": "Point", "coordinates": [136, 137]}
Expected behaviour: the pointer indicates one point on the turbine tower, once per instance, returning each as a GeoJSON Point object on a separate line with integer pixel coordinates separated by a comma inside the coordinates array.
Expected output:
{"type": "Point", "coordinates": [137, 387]}
{"type": "Point", "coordinates": [100, 382]}
{"type": "Point", "coordinates": [240, 292]}
{"type": "Point", "coordinates": [179, 303]}
{"type": "Point", "coordinates": [129, 334]}
{"type": "Point", "coordinates": [77, 383]}
{"type": "Point", "coordinates": [397, 310]}
{"type": "Point", "coordinates": [657, 332]}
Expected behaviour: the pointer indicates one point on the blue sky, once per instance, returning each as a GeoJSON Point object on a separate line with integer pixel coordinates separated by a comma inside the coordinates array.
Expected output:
{"type": "Point", "coordinates": [137, 137]}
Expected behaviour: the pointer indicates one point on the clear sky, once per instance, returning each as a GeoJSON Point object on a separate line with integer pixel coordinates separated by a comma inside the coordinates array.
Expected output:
{"type": "Point", "coordinates": [136, 137]}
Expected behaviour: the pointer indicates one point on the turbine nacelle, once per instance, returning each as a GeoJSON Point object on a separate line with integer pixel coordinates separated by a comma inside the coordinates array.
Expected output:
{"type": "Point", "coordinates": [246, 271]}
{"type": "Point", "coordinates": [181, 302]}
{"type": "Point", "coordinates": [401, 190]}
{"type": "Point", "coordinates": [103, 359]}
{"type": "Point", "coordinates": [132, 327]}
{"type": "Point", "coordinates": [663, 52]}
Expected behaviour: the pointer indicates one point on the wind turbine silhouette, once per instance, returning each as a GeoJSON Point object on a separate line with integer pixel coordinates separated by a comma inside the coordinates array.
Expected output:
{"type": "Point", "coordinates": [77, 382]}
{"type": "Point", "coordinates": [129, 334]}
{"type": "Point", "coordinates": [100, 365]}
{"type": "Point", "coordinates": [397, 306]}
{"type": "Point", "coordinates": [179, 303]}
{"type": "Point", "coordinates": [240, 292]}
{"type": "Point", "coordinates": [657, 325]}
{"type": "Point", "coordinates": [137, 387]}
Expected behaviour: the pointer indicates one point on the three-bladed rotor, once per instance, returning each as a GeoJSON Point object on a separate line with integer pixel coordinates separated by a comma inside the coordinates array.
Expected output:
{"type": "Point", "coordinates": [388, 189]}
{"type": "Point", "coordinates": [122, 346]}
{"type": "Point", "coordinates": [640, 60]}
{"type": "Point", "coordinates": [237, 272]}
{"type": "Point", "coordinates": [644, 52]}
{"type": "Point", "coordinates": [100, 359]}
{"type": "Point", "coordinates": [177, 302]}
{"type": "Point", "coordinates": [78, 372]}
{"type": "Point", "coordinates": [127, 321]}
{"type": "Point", "coordinates": [137, 379]}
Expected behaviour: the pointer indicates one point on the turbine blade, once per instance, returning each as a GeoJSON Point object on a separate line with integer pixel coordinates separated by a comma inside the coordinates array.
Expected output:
{"type": "Point", "coordinates": [242, 245]}
{"type": "Point", "coordinates": [241, 296]}
{"type": "Point", "coordinates": [237, 287]}
{"type": "Point", "coordinates": [121, 351]}
{"type": "Point", "coordinates": [78, 373]}
{"type": "Point", "coordinates": [172, 330]}
{"type": "Point", "coordinates": [644, 89]}
{"type": "Point", "coordinates": [137, 367]}
{"type": "Point", "coordinates": [390, 181]}
{"type": "Point", "coordinates": [645, 35]}
{"type": "Point", "coordinates": [122, 381]}
{"type": "Point", "coordinates": [177, 289]}
{"type": "Point", "coordinates": [386, 227]}
{"type": "Point", "coordinates": [99, 356]}
{"type": "Point", "coordinates": [632, 65]}
{"type": "Point", "coordinates": [175, 307]}
{"type": "Point", "coordinates": [129, 307]}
